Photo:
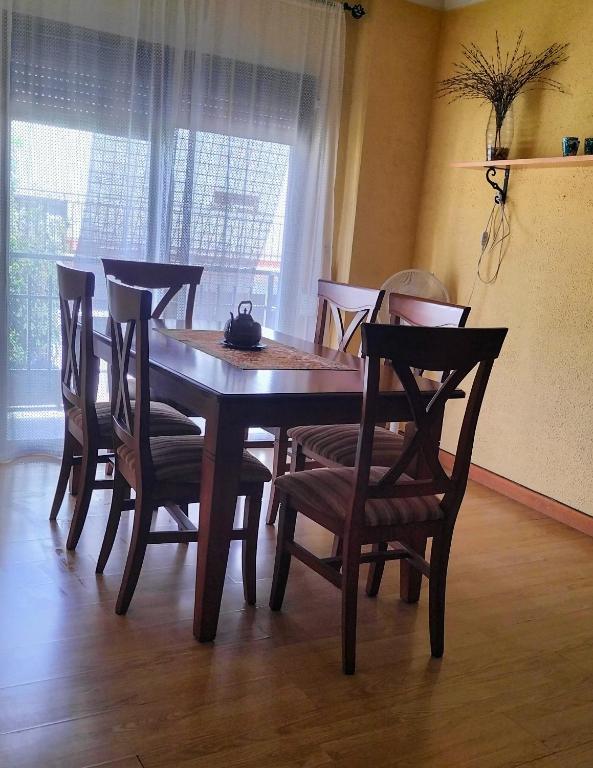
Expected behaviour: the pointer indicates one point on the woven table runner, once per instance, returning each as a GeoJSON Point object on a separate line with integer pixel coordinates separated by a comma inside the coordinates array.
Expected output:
{"type": "Point", "coordinates": [275, 357]}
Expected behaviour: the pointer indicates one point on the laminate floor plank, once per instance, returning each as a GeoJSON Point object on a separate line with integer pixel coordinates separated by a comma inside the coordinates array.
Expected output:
{"type": "Point", "coordinates": [577, 757]}
{"type": "Point", "coordinates": [83, 688]}
{"type": "Point", "coordinates": [126, 762]}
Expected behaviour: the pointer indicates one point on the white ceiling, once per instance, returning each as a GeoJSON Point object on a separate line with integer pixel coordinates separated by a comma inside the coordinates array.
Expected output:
{"type": "Point", "coordinates": [445, 4]}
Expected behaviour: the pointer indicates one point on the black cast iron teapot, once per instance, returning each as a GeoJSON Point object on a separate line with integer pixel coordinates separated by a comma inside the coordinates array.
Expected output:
{"type": "Point", "coordinates": [242, 331]}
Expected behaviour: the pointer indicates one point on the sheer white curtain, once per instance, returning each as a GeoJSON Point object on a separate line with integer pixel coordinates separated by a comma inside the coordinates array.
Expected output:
{"type": "Point", "coordinates": [193, 131]}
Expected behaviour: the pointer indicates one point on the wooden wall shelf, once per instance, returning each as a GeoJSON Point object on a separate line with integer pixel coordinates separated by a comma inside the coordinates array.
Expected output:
{"type": "Point", "coordinates": [492, 166]}
{"type": "Point", "coordinates": [575, 161]}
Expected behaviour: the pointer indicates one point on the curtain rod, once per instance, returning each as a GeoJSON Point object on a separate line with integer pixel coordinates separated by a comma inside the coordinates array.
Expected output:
{"type": "Point", "coordinates": [356, 10]}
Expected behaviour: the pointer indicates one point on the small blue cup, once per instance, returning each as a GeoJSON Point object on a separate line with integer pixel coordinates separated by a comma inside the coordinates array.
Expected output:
{"type": "Point", "coordinates": [570, 145]}
{"type": "Point", "coordinates": [589, 146]}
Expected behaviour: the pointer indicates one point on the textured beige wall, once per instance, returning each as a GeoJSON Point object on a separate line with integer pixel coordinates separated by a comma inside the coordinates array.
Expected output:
{"type": "Point", "coordinates": [390, 61]}
{"type": "Point", "coordinates": [537, 423]}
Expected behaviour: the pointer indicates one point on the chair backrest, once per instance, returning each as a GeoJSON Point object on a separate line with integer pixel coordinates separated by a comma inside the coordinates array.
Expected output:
{"type": "Point", "coordinates": [149, 274]}
{"type": "Point", "coordinates": [414, 310]}
{"type": "Point", "coordinates": [129, 314]}
{"type": "Point", "coordinates": [339, 299]}
{"type": "Point", "coordinates": [80, 367]}
{"type": "Point", "coordinates": [458, 350]}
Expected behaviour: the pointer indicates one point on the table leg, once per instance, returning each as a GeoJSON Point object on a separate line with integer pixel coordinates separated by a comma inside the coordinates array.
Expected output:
{"type": "Point", "coordinates": [410, 579]}
{"type": "Point", "coordinates": [221, 467]}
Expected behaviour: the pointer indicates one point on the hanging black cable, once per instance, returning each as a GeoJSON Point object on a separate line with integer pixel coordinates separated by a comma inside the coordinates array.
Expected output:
{"type": "Point", "coordinates": [356, 10]}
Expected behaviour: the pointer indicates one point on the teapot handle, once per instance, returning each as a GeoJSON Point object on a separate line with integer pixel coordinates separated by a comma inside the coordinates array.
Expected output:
{"type": "Point", "coordinates": [245, 312]}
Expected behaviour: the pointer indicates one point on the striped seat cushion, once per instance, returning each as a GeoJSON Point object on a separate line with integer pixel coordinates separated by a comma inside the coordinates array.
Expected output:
{"type": "Point", "coordinates": [337, 443]}
{"type": "Point", "coordinates": [164, 420]}
{"type": "Point", "coordinates": [330, 491]}
{"type": "Point", "coordinates": [179, 459]}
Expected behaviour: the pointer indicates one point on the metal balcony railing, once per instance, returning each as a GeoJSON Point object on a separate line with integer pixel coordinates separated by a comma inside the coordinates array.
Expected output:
{"type": "Point", "coordinates": [34, 339]}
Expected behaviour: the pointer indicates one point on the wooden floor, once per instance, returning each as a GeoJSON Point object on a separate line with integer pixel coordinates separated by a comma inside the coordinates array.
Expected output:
{"type": "Point", "coordinates": [80, 686]}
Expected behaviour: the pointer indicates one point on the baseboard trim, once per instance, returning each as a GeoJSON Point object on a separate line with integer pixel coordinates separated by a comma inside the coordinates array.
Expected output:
{"type": "Point", "coordinates": [532, 499]}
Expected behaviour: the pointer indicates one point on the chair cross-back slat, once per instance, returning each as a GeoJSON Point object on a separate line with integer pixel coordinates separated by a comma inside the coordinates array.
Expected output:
{"type": "Point", "coordinates": [70, 366]}
{"type": "Point", "coordinates": [80, 367]}
{"type": "Point", "coordinates": [422, 445]}
{"type": "Point", "coordinates": [340, 299]}
{"type": "Point", "coordinates": [155, 275]}
{"type": "Point", "coordinates": [347, 333]}
{"type": "Point", "coordinates": [122, 344]}
{"type": "Point", "coordinates": [167, 298]}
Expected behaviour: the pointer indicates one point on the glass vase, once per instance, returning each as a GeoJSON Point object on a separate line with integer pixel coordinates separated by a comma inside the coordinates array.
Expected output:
{"type": "Point", "coordinates": [499, 134]}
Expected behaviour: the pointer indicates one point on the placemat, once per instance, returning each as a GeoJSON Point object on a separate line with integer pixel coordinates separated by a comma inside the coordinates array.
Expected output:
{"type": "Point", "coordinates": [275, 356]}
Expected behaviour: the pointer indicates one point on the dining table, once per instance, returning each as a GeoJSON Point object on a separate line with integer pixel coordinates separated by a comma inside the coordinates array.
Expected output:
{"type": "Point", "coordinates": [324, 387]}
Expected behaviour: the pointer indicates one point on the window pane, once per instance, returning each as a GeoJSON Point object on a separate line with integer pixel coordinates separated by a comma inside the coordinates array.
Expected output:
{"type": "Point", "coordinates": [229, 202]}
{"type": "Point", "coordinates": [75, 196]}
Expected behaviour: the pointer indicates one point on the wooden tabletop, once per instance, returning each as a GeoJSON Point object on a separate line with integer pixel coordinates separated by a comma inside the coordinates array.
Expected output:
{"type": "Point", "coordinates": [193, 375]}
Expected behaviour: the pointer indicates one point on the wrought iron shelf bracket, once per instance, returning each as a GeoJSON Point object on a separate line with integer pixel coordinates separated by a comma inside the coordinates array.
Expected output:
{"type": "Point", "coordinates": [501, 192]}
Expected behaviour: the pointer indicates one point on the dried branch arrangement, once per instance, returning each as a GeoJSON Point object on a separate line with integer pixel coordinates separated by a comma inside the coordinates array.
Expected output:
{"type": "Point", "coordinates": [501, 78]}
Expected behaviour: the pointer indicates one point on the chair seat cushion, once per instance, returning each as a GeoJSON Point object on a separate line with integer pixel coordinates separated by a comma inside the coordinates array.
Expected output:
{"type": "Point", "coordinates": [164, 420]}
{"type": "Point", "coordinates": [337, 443]}
{"type": "Point", "coordinates": [179, 459]}
{"type": "Point", "coordinates": [329, 491]}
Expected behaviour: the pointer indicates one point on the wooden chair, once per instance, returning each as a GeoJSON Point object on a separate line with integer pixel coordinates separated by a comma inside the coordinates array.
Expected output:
{"type": "Point", "coordinates": [159, 275]}
{"type": "Point", "coordinates": [336, 300]}
{"type": "Point", "coordinates": [163, 471]}
{"type": "Point", "coordinates": [366, 504]}
{"type": "Point", "coordinates": [87, 424]}
{"type": "Point", "coordinates": [335, 445]}
{"type": "Point", "coordinates": [147, 274]}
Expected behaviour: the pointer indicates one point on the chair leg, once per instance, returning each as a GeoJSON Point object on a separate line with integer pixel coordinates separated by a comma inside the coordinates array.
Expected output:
{"type": "Point", "coordinates": [376, 571]}
{"type": "Point", "coordinates": [75, 476]}
{"type": "Point", "coordinates": [185, 509]}
{"type": "Point", "coordinates": [286, 526]}
{"type": "Point", "coordinates": [251, 514]}
{"type": "Point", "coordinates": [350, 572]}
{"type": "Point", "coordinates": [297, 458]}
{"type": "Point", "coordinates": [138, 543]}
{"type": "Point", "coordinates": [273, 505]}
{"type": "Point", "coordinates": [410, 578]}
{"type": "Point", "coordinates": [83, 497]}
{"type": "Point", "coordinates": [278, 469]}
{"type": "Point", "coordinates": [120, 491]}
{"type": "Point", "coordinates": [67, 464]}
{"type": "Point", "coordinates": [439, 560]}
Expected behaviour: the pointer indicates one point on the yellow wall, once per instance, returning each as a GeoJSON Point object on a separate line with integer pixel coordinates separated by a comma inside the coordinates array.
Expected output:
{"type": "Point", "coordinates": [537, 423]}
{"type": "Point", "coordinates": [390, 61]}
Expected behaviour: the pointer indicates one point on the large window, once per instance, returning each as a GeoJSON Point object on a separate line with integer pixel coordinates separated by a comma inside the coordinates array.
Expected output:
{"type": "Point", "coordinates": [81, 196]}
{"type": "Point", "coordinates": [203, 135]}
